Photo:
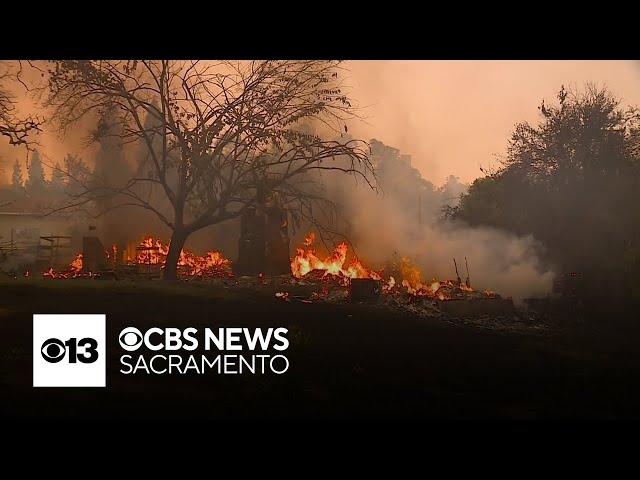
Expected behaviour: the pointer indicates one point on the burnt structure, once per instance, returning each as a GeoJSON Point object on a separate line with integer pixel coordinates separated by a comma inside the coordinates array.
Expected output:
{"type": "Point", "coordinates": [264, 240]}
{"type": "Point", "coordinates": [251, 246]}
{"type": "Point", "coordinates": [53, 251]}
{"type": "Point", "coordinates": [94, 258]}
{"type": "Point", "coordinates": [277, 261]}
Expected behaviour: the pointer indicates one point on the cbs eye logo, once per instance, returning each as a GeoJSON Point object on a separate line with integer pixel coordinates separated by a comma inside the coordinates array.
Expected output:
{"type": "Point", "coordinates": [130, 339]}
{"type": "Point", "coordinates": [69, 350]}
{"type": "Point", "coordinates": [54, 350]}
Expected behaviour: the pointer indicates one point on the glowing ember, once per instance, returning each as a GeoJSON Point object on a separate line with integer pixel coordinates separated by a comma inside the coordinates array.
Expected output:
{"type": "Point", "coordinates": [112, 255]}
{"type": "Point", "coordinates": [50, 273]}
{"type": "Point", "coordinates": [72, 271]}
{"type": "Point", "coordinates": [76, 264]}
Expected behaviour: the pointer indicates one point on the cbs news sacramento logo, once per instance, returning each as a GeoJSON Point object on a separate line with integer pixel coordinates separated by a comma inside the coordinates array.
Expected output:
{"type": "Point", "coordinates": [69, 350]}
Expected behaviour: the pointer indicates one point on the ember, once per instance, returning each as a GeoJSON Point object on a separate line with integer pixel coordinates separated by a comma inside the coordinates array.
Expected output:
{"type": "Point", "coordinates": [73, 270]}
{"type": "Point", "coordinates": [437, 289]}
{"type": "Point", "coordinates": [76, 264]}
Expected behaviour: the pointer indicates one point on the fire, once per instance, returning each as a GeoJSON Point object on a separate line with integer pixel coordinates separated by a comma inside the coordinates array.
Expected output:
{"type": "Point", "coordinates": [307, 261]}
{"type": "Point", "coordinates": [73, 270]}
{"type": "Point", "coordinates": [52, 274]}
{"type": "Point", "coordinates": [440, 289]}
{"type": "Point", "coordinates": [389, 285]}
{"type": "Point", "coordinates": [76, 264]}
{"type": "Point", "coordinates": [335, 266]}
{"type": "Point", "coordinates": [411, 282]}
{"type": "Point", "coordinates": [112, 254]}
{"type": "Point", "coordinates": [151, 251]}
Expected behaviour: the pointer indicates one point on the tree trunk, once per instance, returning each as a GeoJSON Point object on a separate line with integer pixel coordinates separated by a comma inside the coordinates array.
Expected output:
{"type": "Point", "coordinates": [175, 247]}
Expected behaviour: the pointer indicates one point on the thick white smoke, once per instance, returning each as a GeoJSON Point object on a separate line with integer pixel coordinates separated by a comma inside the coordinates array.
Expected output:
{"type": "Point", "coordinates": [389, 225]}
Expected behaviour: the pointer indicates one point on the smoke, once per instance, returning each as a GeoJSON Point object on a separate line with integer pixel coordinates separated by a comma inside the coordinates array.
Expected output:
{"type": "Point", "coordinates": [405, 220]}
{"type": "Point", "coordinates": [498, 260]}
{"type": "Point", "coordinates": [422, 107]}
{"type": "Point", "coordinates": [455, 115]}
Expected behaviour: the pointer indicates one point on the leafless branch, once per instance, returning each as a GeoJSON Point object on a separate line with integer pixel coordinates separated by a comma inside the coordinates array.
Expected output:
{"type": "Point", "coordinates": [219, 136]}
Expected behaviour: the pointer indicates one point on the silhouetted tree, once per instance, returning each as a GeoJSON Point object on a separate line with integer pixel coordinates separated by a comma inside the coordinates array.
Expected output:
{"type": "Point", "coordinates": [77, 174]}
{"type": "Point", "coordinates": [17, 130]}
{"type": "Point", "coordinates": [57, 178]}
{"type": "Point", "coordinates": [35, 178]}
{"type": "Point", "coordinates": [16, 177]}
{"type": "Point", "coordinates": [573, 181]}
{"type": "Point", "coordinates": [227, 132]}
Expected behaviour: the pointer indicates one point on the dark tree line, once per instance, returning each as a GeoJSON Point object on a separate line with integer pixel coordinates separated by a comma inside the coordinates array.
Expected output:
{"type": "Point", "coordinates": [573, 181]}
{"type": "Point", "coordinates": [32, 189]}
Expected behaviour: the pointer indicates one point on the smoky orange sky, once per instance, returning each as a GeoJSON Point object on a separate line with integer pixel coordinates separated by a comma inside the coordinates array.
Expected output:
{"type": "Point", "coordinates": [451, 116]}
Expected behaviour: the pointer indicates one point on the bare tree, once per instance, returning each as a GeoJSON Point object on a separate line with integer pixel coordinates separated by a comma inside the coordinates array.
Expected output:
{"type": "Point", "coordinates": [218, 136]}
{"type": "Point", "coordinates": [16, 130]}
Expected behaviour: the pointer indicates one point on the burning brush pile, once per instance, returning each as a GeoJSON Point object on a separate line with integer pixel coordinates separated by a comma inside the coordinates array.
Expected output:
{"type": "Point", "coordinates": [332, 274]}
{"type": "Point", "coordinates": [335, 277]}
{"type": "Point", "coordinates": [147, 258]}
{"type": "Point", "coordinates": [338, 276]}
{"type": "Point", "coordinates": [406, 279]}
{"type": "Point", "coordinates": [152, 251]}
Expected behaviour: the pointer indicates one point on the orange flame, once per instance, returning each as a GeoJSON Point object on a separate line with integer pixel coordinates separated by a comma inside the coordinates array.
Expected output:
{"type": "Point", "coordinates": [153, 252]}
{"type": "Point", "coordinates": [76, 264]}
{"type": "Point", "coordinates": [112, 254]}
{"type": "Point", "coordinates": [412, 281]}
{"type": "Point", "coordinates": [73, 270]}
{"type": "Point", "coordinates": [306, 261]}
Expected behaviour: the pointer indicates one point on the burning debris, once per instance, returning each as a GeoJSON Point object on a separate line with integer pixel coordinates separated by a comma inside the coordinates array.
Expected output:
{"type": "Point", "coordinates": [337, 270]}
{"type": "Point", "coordinates": [73, 270]}
{"type": "Point", "coordinates": [150, 253]}
{"type": "Point", "coordinates": [334, 267]}
{"type": "Point", "coordinates": [339, 279]}
{"type": "Point", "coordinates": [306, 263]}
{"type": "Point", "coordinates": [338, 276]}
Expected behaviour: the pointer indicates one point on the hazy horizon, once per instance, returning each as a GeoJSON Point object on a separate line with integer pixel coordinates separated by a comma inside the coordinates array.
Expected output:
{"type": "Point", "coordinates": [451, 116]}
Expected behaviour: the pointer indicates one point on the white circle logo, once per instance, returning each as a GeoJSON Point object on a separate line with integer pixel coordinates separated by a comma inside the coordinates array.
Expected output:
{"type": "Point", "coordinates": [130, 339]}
